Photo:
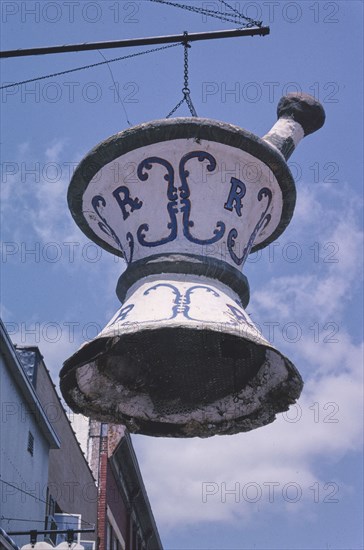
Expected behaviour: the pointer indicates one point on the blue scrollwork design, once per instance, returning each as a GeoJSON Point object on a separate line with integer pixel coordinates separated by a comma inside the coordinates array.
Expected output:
{"type": "Point", "coordinates": [172, 205]}
{"type": "Point", "coordinates": [122, 314]}
{"type": "Point", "coordinates": [186, 301]}
{"type": "Point", "coordinates": [130, 239]}
{"type": "Point", "coordinates": [264, 219]}
{"type": "Point", "coordinates": [103, 225]}
{"type": "Point", "coordinates": [177, 300]}
{"type": "Point", "coordinates": [265, 222]}
{"type": "Point", "coordinates": [238, 316]}
{"type": "Point", "coordinates": [186, 203]}
{"type": "Point", "coordinates": [182, 301]}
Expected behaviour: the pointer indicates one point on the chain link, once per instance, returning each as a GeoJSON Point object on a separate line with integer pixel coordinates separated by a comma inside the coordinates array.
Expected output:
{"type": "Point", "coordinates": [231, 17]}
{"type": "Point", "coordinates": [176, 107]}
{"type": "Point", "coordinates": [250, 22]}
{"type": "Point", "coordinates": [185, 61]}
{"type": "Point", "coordinates": [185, 90]}
{"type": "Point", "coordinates": [190, 105]}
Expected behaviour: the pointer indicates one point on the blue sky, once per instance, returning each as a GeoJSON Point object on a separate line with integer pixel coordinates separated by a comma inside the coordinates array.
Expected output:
{"type": "Point", "coordinates": [297, 482]}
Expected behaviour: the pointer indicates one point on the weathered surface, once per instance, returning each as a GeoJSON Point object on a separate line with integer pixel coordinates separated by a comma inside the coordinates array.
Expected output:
{"type": "Point", "coordinates": [181, 358]}
{"type": "Point", "coordinates": [185, 201]}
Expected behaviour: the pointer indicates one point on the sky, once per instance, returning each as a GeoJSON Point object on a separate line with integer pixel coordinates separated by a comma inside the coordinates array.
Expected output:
{"type": "Point", "coordinates": [297, 483]}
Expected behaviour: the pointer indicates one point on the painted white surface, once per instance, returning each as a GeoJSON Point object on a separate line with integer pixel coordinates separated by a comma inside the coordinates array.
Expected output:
{"type": "Point", "coordinates": [196, 303]}
{"type": "Point", "coordinates": [188, 301]}
{"type": "Point", "coordinates": [287, 128]}
{"type": "Point", "coordinates": [209, 192]}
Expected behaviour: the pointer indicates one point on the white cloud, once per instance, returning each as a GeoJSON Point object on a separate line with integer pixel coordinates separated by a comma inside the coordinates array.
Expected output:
{"type": "Point", "coordinates": [53, 152]}
{"type": "Point", "coordinates": [326, 424]}
{"type": "Point", "coordinates": [323, 427]}
{"type": "Point", "coordinates": [319, 287]}
{"type": "Point", "coordinates": [174, 471]}
{"type": "Point", "coordinates": [37, 192]}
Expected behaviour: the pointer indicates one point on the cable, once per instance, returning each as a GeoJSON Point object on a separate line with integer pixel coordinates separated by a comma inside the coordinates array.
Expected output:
{"type": "Point", "coordinates": [23, 519]}
{"type": "Point", "coordinates": [37, 498]}
{"type": "Point", "coordinates": [116, 88]}
{"type": "Point", "coordinates": [22, 491]}
{"type": "Point", "coordinates": [89, 66]}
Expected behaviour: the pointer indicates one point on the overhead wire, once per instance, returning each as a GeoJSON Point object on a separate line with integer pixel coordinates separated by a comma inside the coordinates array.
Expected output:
{"type": "Point", "coordinates": [23, 519]}
{"type": "Point", "coordinates": [116, 88]}
{"type": "Point", "coordinates": [36, 498]}
{"type": "Point", "coordinates": [84, 67]}
{"type": "Point", "coordinates": [235, 17]}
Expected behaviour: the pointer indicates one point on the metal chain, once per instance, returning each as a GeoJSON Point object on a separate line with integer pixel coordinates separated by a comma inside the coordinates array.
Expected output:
{"type": "Point", "coordinates": [185, 61]}
{"type": "Point", "coordinates": [176, 107]}
{"type": "Point", "coordinates": [185, 90]}
{"type": "Point", "coordinates": [191, 106]}
{"type": "Point", "coordinates": [251, 22]}
{"type": "Point", "coordinates": [214, 13]}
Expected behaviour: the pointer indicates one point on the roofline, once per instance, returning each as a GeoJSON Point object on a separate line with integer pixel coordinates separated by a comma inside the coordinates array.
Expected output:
{"type": "Point", "coordinates": [48, 374]}
{"type": "Point", "coordinates": [6, 541]}
{"type": "Point", "coordinates": [29, 393]}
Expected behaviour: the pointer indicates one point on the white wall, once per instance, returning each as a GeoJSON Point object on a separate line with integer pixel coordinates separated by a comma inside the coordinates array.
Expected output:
{"type": "Point", "coordinates": [26, 473]}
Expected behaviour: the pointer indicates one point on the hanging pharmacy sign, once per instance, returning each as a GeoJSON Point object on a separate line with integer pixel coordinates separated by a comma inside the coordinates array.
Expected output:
{"type": "Point", "coordinates": [185, 201]}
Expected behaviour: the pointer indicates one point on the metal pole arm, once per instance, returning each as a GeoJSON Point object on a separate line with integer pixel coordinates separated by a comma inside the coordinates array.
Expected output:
{"type": "Point", "coordinates": [128, 43]}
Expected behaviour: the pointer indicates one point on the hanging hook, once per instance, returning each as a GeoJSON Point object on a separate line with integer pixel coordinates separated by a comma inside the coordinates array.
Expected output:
{"type": "Point", "coordinates": [185, 90]}
{"type": "Point", "coordinates": [185, 39]}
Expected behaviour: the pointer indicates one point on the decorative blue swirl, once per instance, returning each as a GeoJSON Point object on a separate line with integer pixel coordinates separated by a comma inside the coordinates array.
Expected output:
{"type": "Point", "coordinates": [123, 313]}
{"type": "Point", "coordinates": [186, 203]}
{"type": "Point", "coordinates": [187, 299]}
{"type": "Point", "coordinates": [172, 206]}
{"type": "Point", "coordinates": [103, 225]}
{"type": "Point", "coordinates": [181, 303]}
{"type": "Point", "coordinates": [177, 301]}
{"type": "Point", "coordinates": [265, 223]}
{"type": "Point", "coordinates": [238, 315]}
{"type": "Point", "coordinates": [264, 219]}
{"type": "Point", "coordinates": [130, 239]}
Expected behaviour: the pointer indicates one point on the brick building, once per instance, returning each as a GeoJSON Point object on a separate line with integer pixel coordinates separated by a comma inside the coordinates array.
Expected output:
{"type": "Point", "coordinates": [125, 518]}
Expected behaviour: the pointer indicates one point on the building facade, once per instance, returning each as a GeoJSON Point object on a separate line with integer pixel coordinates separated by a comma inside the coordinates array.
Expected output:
{"type": "Point", "coordinates": [47, 482]}
{"type": "Point", "coordinates": [125, 518]}
{"type": "Point", "coordinates": [71, 491]}
{"type": "Point", "coordinates": [26, 440]}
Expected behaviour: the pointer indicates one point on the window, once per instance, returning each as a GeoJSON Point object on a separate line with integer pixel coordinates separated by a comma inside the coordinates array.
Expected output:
{"type": "Point", "coordinates": [115, 540]}
{"type": "Point", "coordinates": [51, 504]}
{"type": "Point", "coordinates": [112, 539]}
{"type": "Point", "coordinates": [30, 447]}
{"type": "Point", "coordinates": [67, 521]}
